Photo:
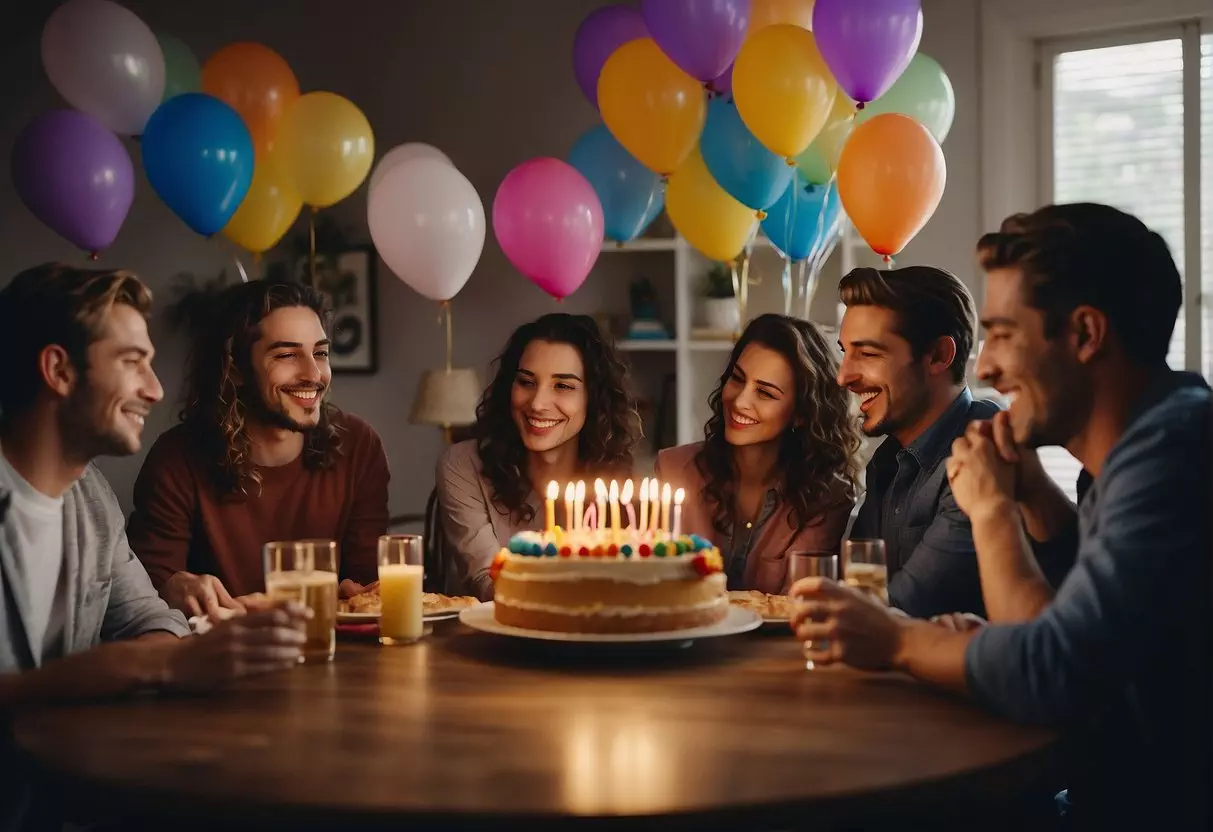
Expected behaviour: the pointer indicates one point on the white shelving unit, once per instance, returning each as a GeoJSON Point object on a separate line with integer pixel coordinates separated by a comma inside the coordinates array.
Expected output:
{"type": "Point", "coordinates": [699, 362]}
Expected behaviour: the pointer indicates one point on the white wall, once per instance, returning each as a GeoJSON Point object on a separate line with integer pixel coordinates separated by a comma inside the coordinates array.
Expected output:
{"type": "Point", "coordinates": [491, 84]}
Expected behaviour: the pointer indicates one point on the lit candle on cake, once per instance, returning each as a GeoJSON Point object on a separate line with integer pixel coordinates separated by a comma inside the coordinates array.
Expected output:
{"type": "Point", "coordinates": [570, 519]}
{"type": "Point", "coordinates": [579, 504]}
{"type": "Point", "coordinates": [613, 496]}
{"type": "Point", "coordinates": [665, 507]}
{"type": "Point", "coordinates": [679, 496]}
{"type": "Point", "coordinates": [600, 495]}
{"type": "Point", "coordinates": [553, 493]}
{"type": "Point", "coordinates": [625, 497]}
{"type": "Point", "coordinates": [644, 504]}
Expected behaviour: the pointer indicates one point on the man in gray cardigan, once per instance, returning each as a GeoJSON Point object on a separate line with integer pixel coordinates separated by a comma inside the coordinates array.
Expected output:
{"type": "Point", "coordinates": [78, 615]}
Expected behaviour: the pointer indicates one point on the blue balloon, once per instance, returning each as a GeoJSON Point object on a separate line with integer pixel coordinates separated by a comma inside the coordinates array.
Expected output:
{"type": "Point", "coordinates": [748, 172]}
{"type": "Point", "coordinates": [631, 195]}
{"type": "Point", "coordinates": [803, 219]}
{"type": "Point", "coordinates": [198, 156]}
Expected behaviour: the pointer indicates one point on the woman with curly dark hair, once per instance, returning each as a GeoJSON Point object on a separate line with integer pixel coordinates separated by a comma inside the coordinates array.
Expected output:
{"type": "Point", "coordinates": [778, 467]}
{"type": "Point", "coordinates": [261, 454]}
{"type": "Point", "coordinates": [558, 408]}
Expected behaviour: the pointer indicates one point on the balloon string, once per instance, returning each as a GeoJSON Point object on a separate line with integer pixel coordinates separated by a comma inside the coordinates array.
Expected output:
{"type": "Point", "coordinates": [786, 279]}
{"type": "Point", "coordinates": [789, 228]}
{"type": "Point", "coordinates": [808, 290]}
{"type": "Point", "coordinates": [311, 246]}
{"type": "Point", "coordinates": [445, 315]}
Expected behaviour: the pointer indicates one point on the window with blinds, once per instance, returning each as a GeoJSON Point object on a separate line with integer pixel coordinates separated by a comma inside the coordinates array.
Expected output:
{"type": "Point", "coordinates": [1114, 124]}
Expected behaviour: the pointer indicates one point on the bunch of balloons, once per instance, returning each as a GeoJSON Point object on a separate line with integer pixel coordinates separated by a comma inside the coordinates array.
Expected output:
{"type": "Point", "coordinates": [729, 113]}
{"type": "Point", "coordinates": [230, 146]}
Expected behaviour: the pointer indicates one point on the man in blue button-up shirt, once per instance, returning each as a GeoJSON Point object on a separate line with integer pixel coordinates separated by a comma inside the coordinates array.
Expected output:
{"type": "Point", "coordinates": [1080, 305]}
{"type": "Point", "coordinates": [906, 336]}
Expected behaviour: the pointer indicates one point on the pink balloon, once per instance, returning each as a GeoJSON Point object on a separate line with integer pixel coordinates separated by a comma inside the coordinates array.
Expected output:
{"type": "Point", "coordinates": [548, 220]}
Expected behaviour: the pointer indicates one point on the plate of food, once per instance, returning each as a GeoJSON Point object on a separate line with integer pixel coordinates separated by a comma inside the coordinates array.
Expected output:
{"type": "Point", "coordinates": [482, 617]}
{"type": "Point", "coordinates": [774, 610]}
{"type": "Point", "coordinates": [364, 607]}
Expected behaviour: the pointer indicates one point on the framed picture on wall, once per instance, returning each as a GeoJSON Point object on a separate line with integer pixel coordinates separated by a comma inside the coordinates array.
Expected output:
{"type": "Point", "coordinates": [349, 281]}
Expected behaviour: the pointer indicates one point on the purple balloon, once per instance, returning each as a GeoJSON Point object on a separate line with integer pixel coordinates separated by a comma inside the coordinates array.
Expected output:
{"type": "Point", "coordinates": [722, 84]}
{"type": "Point", "coordinates": [701, 36]}
{"type": "Point", "coordinates": [599, 35]}
{"type": "Point", "coordinates": [867, 45]}
{"type": "Point", "coordinates": [75, 176]}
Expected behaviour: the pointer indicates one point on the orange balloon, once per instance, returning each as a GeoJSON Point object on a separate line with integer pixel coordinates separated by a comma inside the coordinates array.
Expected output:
{"type": "Point", "coordinates": [891, 177]}
{"type": "Point", "coordinates": [769, 12]}
{"type": "Point", "coordinates": [257, 83]}
{"type": "Point", "coordinates": [652, 108]}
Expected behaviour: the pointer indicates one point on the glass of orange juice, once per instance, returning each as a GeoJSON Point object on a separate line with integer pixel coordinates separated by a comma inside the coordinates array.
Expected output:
{"type": "Point", "coordinates": [401, 571]}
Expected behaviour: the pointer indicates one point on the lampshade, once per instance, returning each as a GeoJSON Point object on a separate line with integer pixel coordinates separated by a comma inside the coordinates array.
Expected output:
{"type": "Point", "coordinates": [446, 397]}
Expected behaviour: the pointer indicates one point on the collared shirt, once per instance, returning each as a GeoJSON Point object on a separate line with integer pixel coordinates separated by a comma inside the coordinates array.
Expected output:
{"type": "Point", "coordinates": [1120, 658]}
{"type": "Point", "coordinates": [742, 537]}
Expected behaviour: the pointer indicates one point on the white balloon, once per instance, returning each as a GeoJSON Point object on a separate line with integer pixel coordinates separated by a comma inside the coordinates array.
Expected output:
{"type": "Point", "coordinates": [104, 61]}
{"type": "Point", "coordinates": [402, 153]}
{"type": "Point", "coordinates": [427, 221]}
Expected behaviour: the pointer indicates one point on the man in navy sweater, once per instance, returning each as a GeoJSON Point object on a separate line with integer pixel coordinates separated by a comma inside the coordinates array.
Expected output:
{"type": "Point", "coordinates": [1080, 305]}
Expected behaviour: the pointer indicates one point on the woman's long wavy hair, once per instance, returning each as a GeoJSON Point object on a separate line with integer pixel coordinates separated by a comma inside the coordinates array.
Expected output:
{"type": "Point", "coordinates": [215, 409]}
{"type": "Point", "coordinates": [612, 424]}
{"type": "Point", "coordinates": [817, 453]}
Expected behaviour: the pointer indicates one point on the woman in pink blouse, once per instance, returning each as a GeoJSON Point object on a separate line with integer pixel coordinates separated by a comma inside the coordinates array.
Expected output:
{"type": "Point", "coordinates": [778, 468]}
{"type": "Point", "coordinates": [559, 408]}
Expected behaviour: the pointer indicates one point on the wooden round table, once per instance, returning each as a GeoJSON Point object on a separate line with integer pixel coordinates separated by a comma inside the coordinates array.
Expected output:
{"type": "Point", "coordinates": [466, 729]}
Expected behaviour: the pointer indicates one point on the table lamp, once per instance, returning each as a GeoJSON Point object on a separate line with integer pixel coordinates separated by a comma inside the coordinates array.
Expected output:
{"type": "Point", "coordinates": [446, 398]}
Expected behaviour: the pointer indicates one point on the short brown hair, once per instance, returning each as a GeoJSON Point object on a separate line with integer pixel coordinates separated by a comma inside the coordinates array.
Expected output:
{"type": "Point", "coordinates": [57, 304]}
{"type": "Point", "coordinates": [930, 303]}
{"type": "Point", "coordinates": [1086, 254]}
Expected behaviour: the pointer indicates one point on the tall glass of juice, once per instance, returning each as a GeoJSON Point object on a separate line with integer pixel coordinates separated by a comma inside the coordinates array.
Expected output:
{"type": "Point", "coordinates": [401, 571]}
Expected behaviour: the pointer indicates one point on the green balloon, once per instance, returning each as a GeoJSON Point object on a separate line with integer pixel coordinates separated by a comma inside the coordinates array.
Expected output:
{"type": "Point", "coordinates": [923, 92]}
{"type": "Point", "coordinates": [181, 70]}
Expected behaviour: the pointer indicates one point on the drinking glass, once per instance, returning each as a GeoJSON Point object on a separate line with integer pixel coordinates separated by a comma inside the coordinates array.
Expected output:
{"type": "Point", "coordinates": [401, 570]}
{"type": "Point", "coordinates": [866, 568]}
{"type": "Point", "coordinates": [812, 564]}
{"type": "Point", "coordinates": [305, 571]}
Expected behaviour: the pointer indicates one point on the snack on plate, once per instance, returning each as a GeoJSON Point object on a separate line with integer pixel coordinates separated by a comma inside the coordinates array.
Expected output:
{"type": "Point", "coordinates": [604, 581]}
{"type": "Point", "coordinates": [432, 603]}
{"type": "Point", "coordinates": [770, 607]}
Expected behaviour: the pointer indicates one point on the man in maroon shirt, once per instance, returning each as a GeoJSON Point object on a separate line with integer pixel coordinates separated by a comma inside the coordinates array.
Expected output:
{"type": "Point", "coordinates": [260, 455]}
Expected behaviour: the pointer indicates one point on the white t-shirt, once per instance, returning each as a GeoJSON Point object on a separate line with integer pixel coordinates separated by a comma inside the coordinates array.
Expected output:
{"type": "Point", "coordinates": [38, 522]}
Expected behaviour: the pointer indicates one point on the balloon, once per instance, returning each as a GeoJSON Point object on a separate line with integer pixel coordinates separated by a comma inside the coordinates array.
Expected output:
{"type": "Point", "coordinates": [548, 221]}
{"type": "Point", "coordinates": [198, 157]}
{"type": "Point", "coordinates": [890, 178]}
{"type": "Point", "coordinates": [427, 222]}
{"type": "Point", "coordinates": [700, 36]}
{"type": "Point", "coordinates": [867, 45]}
{"type": "Point", "coordinates": [268, 210]}
{"type": "Point", "coordinates": [651, 107]}
{"type": "Point", "coordinates": [402, 153]}
{"type": "Point", "coordinates": [717, 225]}
{"type": "Point", "coordinates": [783, 88]}
{"type": "Point", "coordinates": [738, 162]}
{"type": "Point", "coordinates": [631, 194]}
{"type": "Point", "coordinates": [722, 84]}
{"type": "Point", "coordinates": [75, 176]}
{"type": "Point", "coordinates": [765, 13]}
{"type": "Point", "coordinates": [819, 161]}
{"type": "Point", "coordinates": [923, 92]}
{"type": "Point", "coordinates": [257, 83]}
{"type": "Point", "coordinates": [325, 147]}
{"type": "Point", "coordinates": [804, 219]}
{"type": "Point", "coordinates": [181, 70]}
{"type": "Point", "coordinates": [105, 62]}
{"type": "Point", "coordinates": [602, 32]}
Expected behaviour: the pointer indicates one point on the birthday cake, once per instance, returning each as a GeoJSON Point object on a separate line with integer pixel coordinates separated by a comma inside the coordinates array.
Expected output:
{"type": "Point", "coordinates": [608, 581]}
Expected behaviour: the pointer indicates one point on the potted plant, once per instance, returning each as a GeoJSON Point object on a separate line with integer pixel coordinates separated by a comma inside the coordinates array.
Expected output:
{"type": "Point", "coordinates": [720, 310]}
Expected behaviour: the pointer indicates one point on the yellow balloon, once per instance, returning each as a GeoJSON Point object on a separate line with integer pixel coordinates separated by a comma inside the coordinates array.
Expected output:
{"type": "Point", "coordinates": [268, 211]}
{"type": "Point", "coordinates": [819, 161]}
{"type": "Point", "coordinates": [783, 88]}
{"type": "Point", "coordinates": [765, 13]}
{"type": "Point", "coordinates": [717, 225]}
{"type": "Point", "coordinates": [652, 108]}
{"type": "Point", "coordinates": [325, 148]}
